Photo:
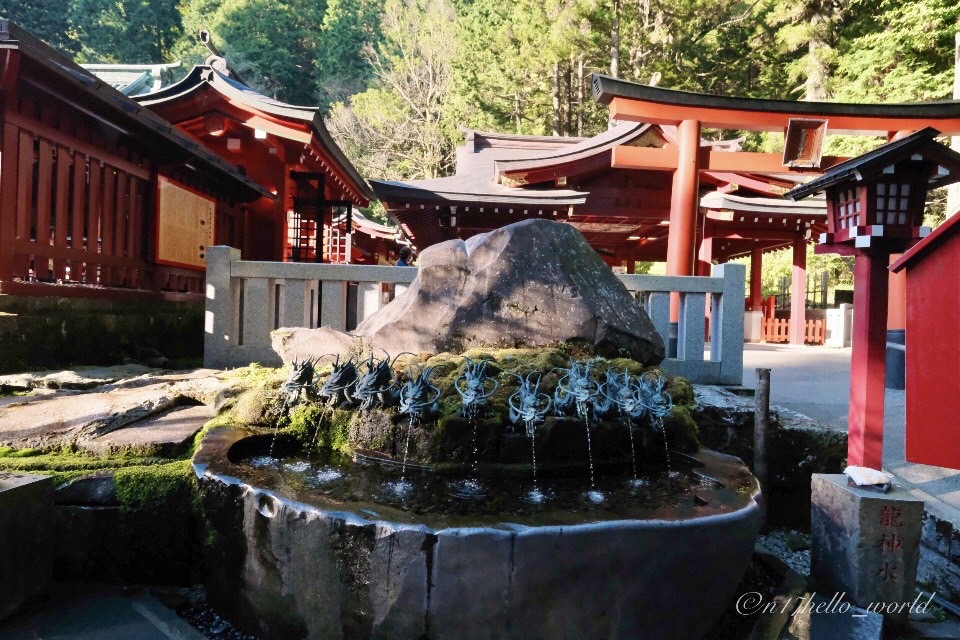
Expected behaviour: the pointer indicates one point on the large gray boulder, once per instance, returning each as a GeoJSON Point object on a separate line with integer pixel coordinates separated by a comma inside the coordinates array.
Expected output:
{"type": "Point", "coordinates": [531, 283]}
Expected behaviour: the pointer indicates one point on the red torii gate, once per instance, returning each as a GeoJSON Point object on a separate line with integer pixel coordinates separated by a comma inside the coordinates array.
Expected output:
{"type": "Point", "coordinates": [690, 112]}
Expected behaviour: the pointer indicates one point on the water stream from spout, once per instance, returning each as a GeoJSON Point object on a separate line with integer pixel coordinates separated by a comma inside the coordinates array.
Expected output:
{"type": "Point", "coordinates": [666, 446]}
{"type": "Point", "coordinates": [633, 452]}
{"type": "Point", "coordinates": [535, 496]}
{"type": "Point", "coordinates": [593, 494]}
{"type": "Point", "coordinates": [402, 487]}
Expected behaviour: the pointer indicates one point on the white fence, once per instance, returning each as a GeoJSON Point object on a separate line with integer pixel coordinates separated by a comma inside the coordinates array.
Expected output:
{"type": "Point", "coordinates": [246, 300]}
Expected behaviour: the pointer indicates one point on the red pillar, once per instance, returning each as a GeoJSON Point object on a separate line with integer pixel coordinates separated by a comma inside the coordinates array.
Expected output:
{"type": "Point", "coordinates": [705, 257]}
{"type": "Point", "coordinates": [684, 203]}
{"type": "Point", "coordinates": [798, 293]}
{"type": "Point", "coordinates": [868, 362]}
{"type": "Point", "coordinates": [756, 280]}
{"type": "Point", "coordinates": [897, 299]}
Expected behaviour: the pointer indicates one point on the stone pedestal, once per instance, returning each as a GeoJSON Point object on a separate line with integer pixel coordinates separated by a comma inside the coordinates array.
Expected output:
{"type": "Point", "coordinates": [26, 538]}
{"type": "Point", "coordinates": [753, 326]}
{"type": "Point", "coordinates": [865, 544]}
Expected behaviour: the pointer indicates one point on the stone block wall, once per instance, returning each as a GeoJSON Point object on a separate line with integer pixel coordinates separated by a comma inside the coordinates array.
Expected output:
{"type": "Point", "coordinates": [38, 332]}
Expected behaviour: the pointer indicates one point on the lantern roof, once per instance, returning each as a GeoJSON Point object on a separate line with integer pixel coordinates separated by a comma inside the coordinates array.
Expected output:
{"type": "Point", "coordinates": [921, 145]}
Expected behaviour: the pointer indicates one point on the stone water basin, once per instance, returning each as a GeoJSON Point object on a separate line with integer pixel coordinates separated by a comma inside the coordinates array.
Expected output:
{"type": "Point", "coordinates": [320, 547]}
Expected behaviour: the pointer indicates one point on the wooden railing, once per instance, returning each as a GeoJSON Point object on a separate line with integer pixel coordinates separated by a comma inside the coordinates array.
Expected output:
{"type": "Point", "coordinates": [246, 300]}
{"type": "Point", "coordinates": [777, 330]}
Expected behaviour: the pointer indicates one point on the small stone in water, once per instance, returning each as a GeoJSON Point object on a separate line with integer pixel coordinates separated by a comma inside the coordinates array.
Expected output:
{"type": "Point", "coordinates": [219, 625]}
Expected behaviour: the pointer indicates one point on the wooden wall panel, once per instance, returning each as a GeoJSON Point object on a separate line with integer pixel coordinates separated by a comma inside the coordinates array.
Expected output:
{"type": "Point", "coordinates": [9, 162]}
{"type": "Point", "coordinates": [24, 185]}
{"type": "Point", "coordinates": [76, 208]}
{"type": "Point", "coordinates": [62, 197]}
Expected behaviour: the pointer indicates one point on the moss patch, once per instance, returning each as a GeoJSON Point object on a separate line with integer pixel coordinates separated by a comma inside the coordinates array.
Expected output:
{"type": "Point", "coordinates": [145, 487]}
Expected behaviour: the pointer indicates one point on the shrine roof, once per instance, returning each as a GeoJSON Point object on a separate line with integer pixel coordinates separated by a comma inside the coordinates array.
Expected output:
{"type": "Point", "coordinates": [131, 79]}
{"type": "Point", "coordinates": [922, 142]}
{"type": "Point", "coordinates": [581, 149]}
{"type": "Point", "coordinates": [471, 188]}
{"type": "Point", "coordinates": [205, 76]}
{"type": "Point", "coordinates": [486, 160]}
{"type": "Point", "coordinates": [372, 228]}
{"type": "Point", "coordinates": [125, 111]}
{"type": "Point", "coordinates": [765, 206]}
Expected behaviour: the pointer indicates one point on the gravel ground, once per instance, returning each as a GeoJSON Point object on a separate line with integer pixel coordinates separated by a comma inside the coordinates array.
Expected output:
{"type": "Point", "coordinates": [793, 547]}
{"type": "Point", "coordinates": [191, 605]}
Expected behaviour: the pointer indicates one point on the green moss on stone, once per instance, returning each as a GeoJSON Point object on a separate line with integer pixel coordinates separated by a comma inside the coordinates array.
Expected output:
{"type": "Point", "coordinates": [10, 452]}
{"type": "Point", "coordinates": [682, 432]}
{"type": "Point", "coordinates": [146, 487]}
{"type": "Point", "coordinates": [304, 420]}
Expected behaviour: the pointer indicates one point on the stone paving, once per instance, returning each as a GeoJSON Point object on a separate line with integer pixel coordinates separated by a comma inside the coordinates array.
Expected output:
{"type": "Point", "coordinates": [147, 411]}
{"type": "Point", "coordinates": [98, 612]}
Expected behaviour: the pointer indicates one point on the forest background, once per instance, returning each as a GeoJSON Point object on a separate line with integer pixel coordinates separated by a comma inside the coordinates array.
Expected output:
{"type": "Point", "coordinates": [397, 79]}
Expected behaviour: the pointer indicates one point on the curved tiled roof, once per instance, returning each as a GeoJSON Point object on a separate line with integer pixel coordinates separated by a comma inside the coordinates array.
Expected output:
{"type": "Point", "coordinates": [606, 89]}
{"type": "Point", "coordinates": [584, 148]}
{"type": "Point", "coordinates": [205, 75]}
{"type": "Point", "coordinates": [775, 206]}
{"type": "Point", "coordinates": [91, 87]}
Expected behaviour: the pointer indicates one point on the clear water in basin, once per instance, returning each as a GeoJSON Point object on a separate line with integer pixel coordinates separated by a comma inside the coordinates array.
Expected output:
{"type": "Point", "coordinates": [615, 492]}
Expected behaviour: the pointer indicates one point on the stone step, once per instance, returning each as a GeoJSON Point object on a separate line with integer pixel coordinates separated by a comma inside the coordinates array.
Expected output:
{"type": "Point", "coordinates": [165, 434]}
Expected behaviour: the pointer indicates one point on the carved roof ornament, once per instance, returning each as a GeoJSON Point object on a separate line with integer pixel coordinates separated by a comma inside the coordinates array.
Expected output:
{"type": "Point", "coordinates": [216, 60]}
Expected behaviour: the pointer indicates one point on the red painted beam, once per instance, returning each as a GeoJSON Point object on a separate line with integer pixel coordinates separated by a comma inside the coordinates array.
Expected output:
{"type": "Point", "coordinates": [666, 159]}
{"type": "Point", "coordinates": [636, 110]}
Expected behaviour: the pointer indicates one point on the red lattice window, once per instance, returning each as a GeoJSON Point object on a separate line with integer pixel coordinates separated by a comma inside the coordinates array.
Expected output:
{"type": "Point", "coordinates": [301, 238]}
{"type": "Point", "coordinates": [848, 209]}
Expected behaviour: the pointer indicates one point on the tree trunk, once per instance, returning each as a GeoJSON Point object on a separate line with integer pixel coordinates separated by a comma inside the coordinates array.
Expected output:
{"type": "Point", "coordinates": [953, 192]}
{"type": "Point", "coordinates": [516, 110]}
{"type": "Point", "coordinates": [581, 104]}
{"type": "Point", "coordinates": [556, 98]}
{"type": "Point", "coordinates": [817, 71]}
{"type": "Point", "coordinates": [615, 41]}
{"type": "Point", "coordinates": [568, 76]}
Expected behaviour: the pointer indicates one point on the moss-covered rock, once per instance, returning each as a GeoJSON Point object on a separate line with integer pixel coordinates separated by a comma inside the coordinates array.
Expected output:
{"type": "Point", "coordinates": [682, 432]}
{"type": "Point", "coordinates": [448, 437]}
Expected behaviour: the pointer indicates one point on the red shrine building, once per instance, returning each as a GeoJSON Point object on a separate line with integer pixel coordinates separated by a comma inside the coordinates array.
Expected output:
{"type": "Point", "coordinates": [652, 188]}
{"type": "Point", "coordinates": [102, 195]}
{"type": "Point", "coordinates": [933, 346]}
{"type": "Point", "coordinates": [313, 216]}
{"type": "Point", "coordinates": [93, 187]}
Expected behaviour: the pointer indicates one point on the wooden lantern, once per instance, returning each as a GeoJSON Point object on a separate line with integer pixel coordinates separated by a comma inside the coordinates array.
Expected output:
{"type": "Point", "coordinates": [875, 208]}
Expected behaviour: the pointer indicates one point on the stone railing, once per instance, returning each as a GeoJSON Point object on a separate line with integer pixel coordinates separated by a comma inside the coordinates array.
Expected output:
{"type": "Point", "coordinates": [289, 294]}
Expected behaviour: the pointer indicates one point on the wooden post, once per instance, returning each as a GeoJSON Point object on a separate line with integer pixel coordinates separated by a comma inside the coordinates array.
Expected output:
{"type": "Point", "coordinates": [684, 202]}
{"type": "Point", "coordinates": [761, 424]}
{"type": "Point", "coordinates": [798, 293]}
{"type": "Point", "coordinates": [868, 361]}
{"type": "Point", "coordinates": [705, 257]}
{"type": "Point", "coordinates": [756, 280]}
